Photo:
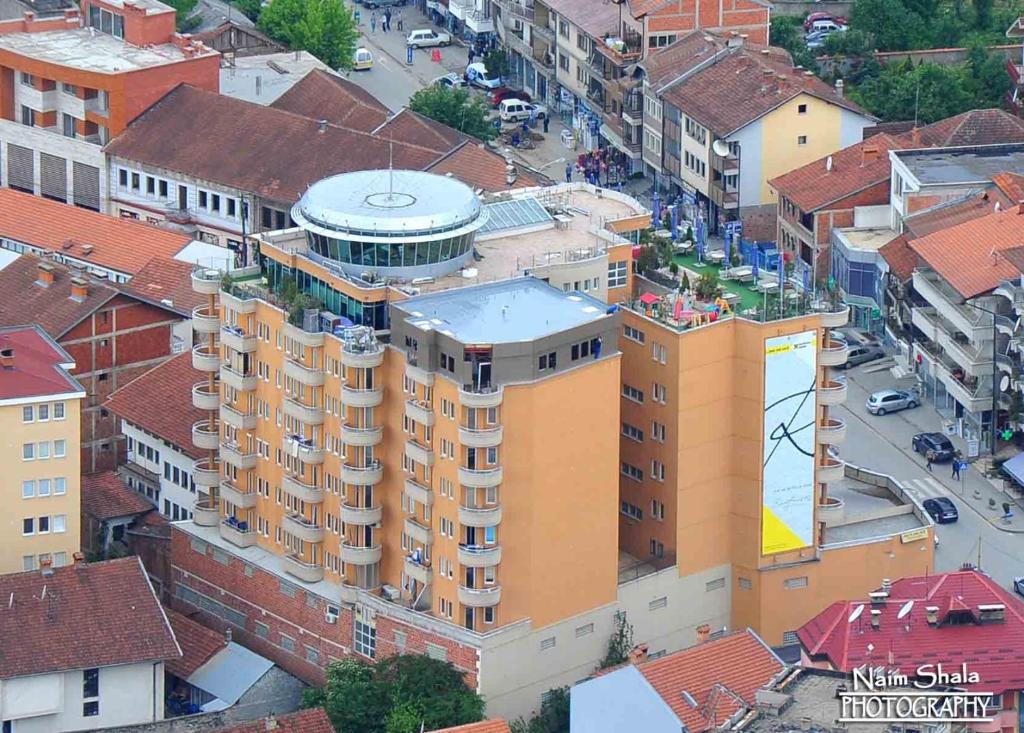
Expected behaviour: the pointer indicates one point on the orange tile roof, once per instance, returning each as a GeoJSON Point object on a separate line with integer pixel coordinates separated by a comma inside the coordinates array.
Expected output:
{"type": "Point", "coordinates": [117, 244]}
{"type": "Point", "coordinates": [900, 257]}
{"type": "Point", "coordinates": [36, 369]}
{"type": "Point", "coordinates": [197, 642]}
{"type": "Point", "coordinates": [313, 720]}
{"type": "Point", "coordinates": [967, 255]}
{"type": "Point", "coordinates": [484, 726]}
{"type": "Point", "coordinates": [478, 167]}
{"type": "Point", "coordinates": [974, 127]}
{"type": "Point", "coordinates": [1011, 185]}
{"type": "Point", "coordinates": [105, 496]}
{"type": "Point", "coordinates": [323, 95]}
{"type": "Point", "coordinates": [950, 213]}
{"type": "Point", "coordinates": [163, 280]}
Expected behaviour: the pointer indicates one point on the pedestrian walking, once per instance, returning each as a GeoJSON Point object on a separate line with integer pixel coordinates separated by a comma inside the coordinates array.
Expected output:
{"type": "Point", "coordinates": [471, 52]}
{"type": "Point", "coordinates": [533, 116]}
{"type": "Point", "coordinates": [956, 468]}
{"type": "Point", "coordinates": [568, 172]}
{"type": "Point", "coordinates": [401, 21]}
{"type": "Point", "coordinates": [373, 22]}
{"type": "Point", "coordinates": [929, 457]}
{"type": "Point", "coordinates": [547, 121]}
{"type": "Point", "coordinates": [387, 20]}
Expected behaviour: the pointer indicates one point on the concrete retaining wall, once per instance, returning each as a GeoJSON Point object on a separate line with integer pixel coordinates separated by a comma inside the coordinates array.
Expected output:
{"type": "Point", "coordinates": [802, 9]}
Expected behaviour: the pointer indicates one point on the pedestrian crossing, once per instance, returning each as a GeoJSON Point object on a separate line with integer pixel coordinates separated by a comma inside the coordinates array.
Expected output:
{"type": "Point", "coordinates": [925, 488]}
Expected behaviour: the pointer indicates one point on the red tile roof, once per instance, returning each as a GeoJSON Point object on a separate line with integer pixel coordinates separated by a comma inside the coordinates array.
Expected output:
{"type": "Point", "coordinates": [951, 213]}
{"type": "Point", "coordinates": [1011, 185]}
{"type": "Point", "coordinates": [595, 19]}
{"type": "Point", "coordinates": [36, 367]}
{"type": "Point", "coordinates": [105, 496]}
{"type": "Point", "coordinates": [198, 644]}
{"type": "Point", "coordinates": [313, 720]}
{"type": "Point", "coordinates": [669, 63]}
{"type": "Point", "coordinates": [814, 186]}
{"type": "Point", "coordinates": [91, 615]}
{"type": "Point", "coordinates": [69, 231]}
{"type": "Point", "coordinates": [995, 650]}
{"type": "Point", "coordinates": [484, 726]}
{"type": "Point", "coordinates": [326, 96]}
{"type": "Point", "coordinates": [900, 257]}
{"type": "Point", "coordinates": [967, 255]}
{"type": "Point", "coordinates": [160, 402]}
{"type": "Point", "coordinates": [479, 167]}
{"type": "Point", "coordinates": [975, 127]}
{"type": "Point", "coordinates": [164, 279]}
{"type": "Point", "coordinates": [413, 128]}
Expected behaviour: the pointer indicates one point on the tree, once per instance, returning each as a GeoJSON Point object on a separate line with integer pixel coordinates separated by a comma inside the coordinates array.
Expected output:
{"type": "Point", "coordinates": [249, 8]}
{"type": "Point", "coordinates": [621, 641]}
{"type": "Point", "coordinates": [455, 108]}
{"type": "Point", "coordinates": [496, 62]}
{"type": "Point", "coordinates": [647, 259]}
{"type": "Point", "coordinates": [325, 28]}
{"type": "Point", "coordinates": [707, 286]}
{"type": "Point", "coordinates": [684, 285]}
{"type": "Point", "coordinates": [552, 718]}
{"type": "Point", "coordinates": [788, 32]}
{"type": "Point", "coordinates": [353, 698]}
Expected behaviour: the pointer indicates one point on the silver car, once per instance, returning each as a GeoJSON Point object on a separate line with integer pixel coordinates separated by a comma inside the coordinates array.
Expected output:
{"type": "Point", "coordinates": [892, 400]}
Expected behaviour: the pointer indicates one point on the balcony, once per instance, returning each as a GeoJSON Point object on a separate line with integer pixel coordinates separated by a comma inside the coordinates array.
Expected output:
{"type": "Point", "coordinates": [1005, 325]}
{"type": "Point", "coordinates": [237, 419]}
{"type": "Point", "coordinates": [238, 300]}
{"type": "Point", "coordinates": [303, 374]}
{"type": "Point", "coordinates": [481, 397]}
{"type": "Point", "coordinates": [304, 449]}
{"type": "Point", "coordinates": [1012, 290]}
{"type": "Point", "coordinates": [352, 435]}
{"type": "Point", "coordinates": [306, 414]}
{"type": "Point", "coordinates": [204, 397]}
{"type": "Point", "coordinates": [831, 511]}
{"type": "Point", "coordinates": [238, 340]}
{"type": "Point", "coordinates": [237, 536]}
{"type": "Point", "coordinates": [235, 455]}
{"type": "Point", "coordinates": [975, 360]}
{"type": "Point", "coordinates": [353, 555]}
{"type": "Point", "coordinates": [831, 431]}
{"type": "Point", "coordinates": [295, 486]}
{"type": "Point", "coordinates": [237, 380]}
{"type": "Point", "coordinates": [237, 496]}
{"type": "Point", "coordinates": [418, 532]}
{"type": "Point", "coordinates": [830, 471]}
{"type": "Point", "coordinates": [300, 527]}
{"type": "Point", "coordinates": [419, 453]}
{"type": "Point", "coordinates": [543, 31]}
{"type": "Point", "coordinates": [304, 337]}
{"type": "Point", "coordinates": [360, 515]}
{"type": "Point", "coordinates": [205, 319]}
{"type": "Point", "coordinates": [832, 393]}
{"type": "Point", "coordinates": [418, 375]}
{"type": "Point", "coordinates": [480, 478]}
{"type": "Point", "coordinates": [479, 597]}
{"type": "Point", "coordinates": [836, 318]}
{"type": "Point", "coordinates": [544, 59]}
{"type": "Point", "coordinates": [299, 568]}
{"type": "Point", "coordinates": [620, 51]}
{"type": "Point", "coordinates": [417, 571]}
{"type": "Point", "coordinates": [947, 303]}
{"type": "Point", "coordinates": [834, 353]}
{"type": "Point", "coordinates": [353, 355]}
{"type": "Point", "coordinates": [480, 438]}
{"type": "Point", "coordinates": [206, 513]}
{"type": "Point", "coordinates": [206, 281]}
{"type": "Point", "coordinates": [362, 475]}
{"type": "Point", "coordinates": [354, 397]}
{"type": "Point", "coordinates": [419, 411]}
{"type": "Point", "coordinates": [418, 493]}
{"type": "Point", "coordinates": [976, 397]}
{"type": "Point", "coordinates": [480, 516]}
{"type": "Point", "coordinates": [205, 358]}
{"type": "Point", "coordinates": [204, 436]}
{"type": "Point", "coordinates": [206, 473]}
{"type": "Point", "coordinates": [479, 556]}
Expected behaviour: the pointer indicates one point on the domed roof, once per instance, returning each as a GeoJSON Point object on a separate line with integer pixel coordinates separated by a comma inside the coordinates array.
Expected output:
{"type": "Point", "coordinates": [382, 201]}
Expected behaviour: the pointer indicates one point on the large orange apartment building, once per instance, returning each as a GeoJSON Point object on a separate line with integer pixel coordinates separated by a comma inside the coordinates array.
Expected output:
{"type": "Point", "coordinates": [70, 82]}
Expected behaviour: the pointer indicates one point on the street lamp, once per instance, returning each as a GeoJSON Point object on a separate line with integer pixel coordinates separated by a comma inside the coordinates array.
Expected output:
{"type": "Point", "coordinates": [995, 377]}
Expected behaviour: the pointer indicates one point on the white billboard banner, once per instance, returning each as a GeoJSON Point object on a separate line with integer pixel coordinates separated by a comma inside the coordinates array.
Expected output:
{"type": "Point", "coordinates": [787, 488]}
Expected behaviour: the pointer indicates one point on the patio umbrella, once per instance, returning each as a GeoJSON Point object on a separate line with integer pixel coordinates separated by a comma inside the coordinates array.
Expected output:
{"type": "Point", "coordinates": [727, 261]}
{"type": "Point", "coordinates": [656, 210]}
{"type": "Point", "coordinates": [782, 274]}
{"type": "Point", "coordinates": [754, 268]}
{"type": "Point", "coordinates": [675, 221]}
{"type": "Point", "coordinates": [807, 279]}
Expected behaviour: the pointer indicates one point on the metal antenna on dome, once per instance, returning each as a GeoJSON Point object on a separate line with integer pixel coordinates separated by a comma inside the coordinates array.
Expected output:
{"type": "Point", "coordinates": [391, 166]}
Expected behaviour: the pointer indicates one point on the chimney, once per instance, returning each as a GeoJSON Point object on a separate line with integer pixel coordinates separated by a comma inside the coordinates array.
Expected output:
{"type": "Point", "coordinates": [769, 73]}
{"type": "Point", "coordinates": [638, 654]}
{"type": "Point", "coordinates": [933, 615]}
{"type": "Point", "coordinates": [1020, 207]}
{"type": "Point", "coordinates": [876, 618]}
{"type": "Point", "coordinates": [321, 126]}
{"type": "Point", "coordinates": [79, 289]}
{"type": "Point", "coordinates": [46, 276]}
{"type": "Point", "coordinates": [808, 78]}
{"type": "Point", "coordinates": [839, 88]}
{"type": "Point", "coordinates": [869, 153]}
{"type": "Point", "coordinates": [886, 585]}
{"type": "Point", "coordinates": [227, 636]}
{"type": "Point", "coordinates": [780, 82]}
{"type": "Point", "coordinates": [46, 566]}
{"type": "Point", "coordinates": [7, 357]}
{"type": "Point", "coordinates": [703, 633]}
{"type": "Point", "coordinates": [270, 723]}
{"type": "Point", "coordinates": [915, 137]}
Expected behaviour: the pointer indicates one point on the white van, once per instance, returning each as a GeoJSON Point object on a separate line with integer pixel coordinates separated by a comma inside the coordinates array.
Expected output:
{"type": "Point", "coordinates": [827, 26]}
{"type": "Point", "coordinates": [478, 76]}
{"type": "Point", "coordinates": [516, 110]}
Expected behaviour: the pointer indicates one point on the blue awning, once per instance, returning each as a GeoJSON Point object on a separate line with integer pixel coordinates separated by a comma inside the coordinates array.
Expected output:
{"type": "Point", "coordinates": [1014, 468]}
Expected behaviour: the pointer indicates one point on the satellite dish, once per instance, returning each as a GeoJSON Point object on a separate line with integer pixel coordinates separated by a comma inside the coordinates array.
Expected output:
{"type": "Point", "coordinates": [871, 648]}
{"type": "Point", "coordinates": [721, 148]}
{"type": "Point", "coordinates": [828, 164]}
{"type": "Point", "coordinates": [1004, 383]}
{"type": "Point", "coordinates": [855, 614]}
{"type": "Point", "coordinates": [905, 609]}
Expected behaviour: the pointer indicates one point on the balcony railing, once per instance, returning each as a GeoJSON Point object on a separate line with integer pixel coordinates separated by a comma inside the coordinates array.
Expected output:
{"type": "Point", "coordinates": [621, 50]}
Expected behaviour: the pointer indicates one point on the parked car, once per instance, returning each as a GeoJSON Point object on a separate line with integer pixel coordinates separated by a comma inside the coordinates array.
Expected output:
{"type": "Point", "coordinates": [362, 59]}
{"type": "Point", "coordinates": [500, 94]}
{"type": "Point", "coordinates": [516, 110]}
{"type": "Point", "coordinates": [452, 81]}
{"type": "Point", "coordinates": [816, 39]}
{"type": "Point", "coordinates": [477, 75]}
{"type": "Point", "coordinates": [862, 355]}
{"type": "Point", "coordinates": [1018, 585]}
{"type": "Point", "coordinates": [942, 510]}
{"type": "Point", "coordinates": [371, 4]}
{"type": "Point", "coordinates": [819, 15]}
{"type": "Point", "coordinates": [826, 25]}
{"type": "Point", "coordinates": [938, 443]}
{"type": "Point", "coordinates": [892, 400]}
{"type": "Point", "coordinates": [425, 37]}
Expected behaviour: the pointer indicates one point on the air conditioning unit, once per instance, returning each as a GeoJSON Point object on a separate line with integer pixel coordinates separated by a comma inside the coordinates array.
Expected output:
{"type": "Point", "coordinates": [331, 618]}
{"type": "Point", "coordinates": [390, 592]}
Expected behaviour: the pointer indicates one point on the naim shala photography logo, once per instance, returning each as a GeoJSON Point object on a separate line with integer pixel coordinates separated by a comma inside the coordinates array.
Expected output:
{"type": "Point", "coordinates": [931, 694]}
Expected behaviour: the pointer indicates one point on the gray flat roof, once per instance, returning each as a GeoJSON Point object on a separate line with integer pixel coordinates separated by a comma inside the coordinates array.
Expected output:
{"type": "Point", "coordinates": [961, 165]}
{"type": "Point", "coordinates": [508, 311]}
{"type": "Point", "coordinates": [77, 48]}
{"type": "Point", "coordinates": [866, 509]}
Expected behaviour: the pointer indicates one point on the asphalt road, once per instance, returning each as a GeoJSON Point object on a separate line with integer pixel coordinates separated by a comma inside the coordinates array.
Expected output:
{"type": "Point", "coordinates": [884, 444]}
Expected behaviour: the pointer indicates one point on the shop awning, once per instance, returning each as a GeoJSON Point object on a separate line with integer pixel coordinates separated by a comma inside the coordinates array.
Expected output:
{"type": "Point", "coordinates": [1014, 468]}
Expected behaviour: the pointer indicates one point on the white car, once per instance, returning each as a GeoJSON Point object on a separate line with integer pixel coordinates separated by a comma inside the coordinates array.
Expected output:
{"type": "Point", "coordinates": [452, 81]}
{"type": "Point", "coordinates": [516, 110]}
{"type": "Point", "coordinates": [426, 37]}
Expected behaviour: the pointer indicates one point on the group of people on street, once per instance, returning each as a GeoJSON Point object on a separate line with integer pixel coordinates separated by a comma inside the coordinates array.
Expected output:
{"type": "Point", "coordinates": [385, 23]}
{"type": "Point", "coordinates": [958, 464]}
{"type": "Point", "coordinates": [595, 166]}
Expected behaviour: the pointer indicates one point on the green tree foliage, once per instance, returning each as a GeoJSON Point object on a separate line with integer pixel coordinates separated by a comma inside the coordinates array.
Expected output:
{"type": "Point", "coordinates": [787, 31]}
{"type": "Point", "coordinates": [249, 8]}
{"type": "Point", "coordinates": [621, 640]}
{"type": "Point", "coordinates": [455, 108]}
{"type": "Point", "coordinates": [325, 28]}
{"type": "Point", "coordinates": [552, 718]}
{"type": "Point", "coordinates": [496, 62]}
{"type": "Point", "coordinates": [397, 695]}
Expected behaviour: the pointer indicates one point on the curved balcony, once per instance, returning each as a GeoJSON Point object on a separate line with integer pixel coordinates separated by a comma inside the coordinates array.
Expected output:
{"type": "Point", "coordinates": [238, 340]}
{"type": "Point", "coordinates": [204, 398]}
{"type": "Point", "coordinates": [204, 436]}
{"type": "Point", "coordinates": [237, 301]}
{"type": "Point", "coordinates": [299, 568]}
{"type": "Point", "coordinates": [237, 380]}
{"type": "Point", "coordinates": [479, 597]}
{"type": "Point", "coordinates": [418, 532]}
{"type": "Point", "coordinates": [1005, 325]}
{"type": "Point", "coordinates": [479, 556]}
{"type": "Point", "coordinates": [418, 375]}
{"type": "Point", "coordinates": [480, 516]}
{"type": "Point", "coordinates": [233, 453]}
{"type": "Point", "coordinates": [362, 475]}
{"type": "Point", "coordinates": [240, 420]}
{"type": "Point", "coordinates": [302, 528]}
{"type": "Point", "coordinates": [306, 414]}
{"type": "Point", "coordinates": [476, 438]}
{"type": "Point", "coordinates": [419, 493]}
{"type": "Point", "coordinates": [303, 374]}
{"type": "Point", "coordinates": [205, 359]}
{"type": "Point", "coordinates": [417, 571]}
{"type": "Point", "coordinates": [354, 555]}
{"type": "Point", "coordinates": [237, 537]}
{"type": "Point", "coordinates": [237, 496]}
{"type": "Point", "coordinates": [831, 431]}
{"type": "Point", "coordinates": [303, 449]}
{"type": "Point", "coordinates": [206, 281]}
{"type": "Point", "coordinates": [351, 397]}
{"type": "Point", "coordinates": [834, 353]}
{"type": "Point", "coordinates": [831, 511]}
{"type": "Point", "coordinates": [419, 411]}
{"type": "Point", "coordinates": [836, 318]}
{"type": "Point", "coordinates": [829, 471]}
{"type": "Point", "coordinates": [352, 356]}
{"type": "Point", "coordinates": [295, 486]}
{"type": "Point", "coordinates": [483, 398]}
{"type": "Point", "coordinates": [351, 435]}
{"type": "Point", "coordinates": [205, 319]}
{"type": "Point", "coordinates": [360, 515]}
{"type": "Point", "coordinates": [480, 478]}
{"type": "Point", "coordinates": [206, 513]}
{"type": "Point", "coordinates": [206, 473]}
{"type": "Point", "coordinates": [832, 393]}
{"type": "Point", "coordinates": [419, 453]}
{"type": "Point", "coordinates": [306, 338]}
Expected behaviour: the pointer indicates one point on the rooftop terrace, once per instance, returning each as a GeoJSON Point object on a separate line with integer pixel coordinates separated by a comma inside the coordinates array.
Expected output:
{"type": "Point", "coordinates": [871, 506]}
{"type": "Point", "coordinates": [81, 49]}
{"type": "Point", "coordinates": [974, 164]}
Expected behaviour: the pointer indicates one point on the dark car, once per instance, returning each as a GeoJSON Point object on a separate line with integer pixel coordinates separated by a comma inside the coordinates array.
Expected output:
{"type": "Point", "coordinates": [942, 510]}
{"type": "Point", "coordinates": [938, 443]}
{"type": "Point", "coordinates": [502, 93]}
{"type": "Point", "coordinates": [862, 355]}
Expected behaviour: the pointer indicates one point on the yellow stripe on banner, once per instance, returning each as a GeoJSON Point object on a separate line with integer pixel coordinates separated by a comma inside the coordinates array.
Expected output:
{"type": "Point", "coordinates": [776, 536]}
{"type": "Point", "coordinates": [770, 350]}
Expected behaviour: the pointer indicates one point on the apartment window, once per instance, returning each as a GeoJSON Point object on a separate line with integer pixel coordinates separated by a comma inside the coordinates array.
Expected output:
{"type": "Point", "coordinates": [60, 486]}
{"type": "Point", "coordinates": [657, 431]}
{"type": "Point", "coordinates": [652, 142]}
{"type": "Point", "coordinates": [657, 548]}
{"type": "Point", "coordinates": [27, 79]}
{"type": "Point", "coordinates": [657, 510]}
{"type": "Point", "coordinates": [617, 274]}
{"type": "Point", "coordinates": [60, 522]}
{"type": "Point", "coordinates": [203, 199]}
{"type": "Point", "coordinates": [563, 62]}
{"type": "Point", "coordinates": [801, 140]}
{"type": "Point", "coordinates": [628, 469]}
{"type": "Point", "coordinates": [28, 116]}
{"type": "Point", "coordinates": [489, 615]}
{"type": "Point", "coordinates": [547, 361]}
{"type": "Point", "coordinates": [696, 131]}
{"type": "Point", "coordinates": [633, 394]}
{"type": "Point", "coordinates": [27, 413]}
{"type": "Point", "coordinates": [659, 352]}
{"type": "Point", "coordinates": [490, 535]}
{"type": "Point", "coordinates": [68, 88]}
{"type": "Point", "coordinates": [28, 451]}
{"type": "Point", "coordinates": [631, 510]}
{"type": "Point", "coordinates": [28, 489]}
{"type": "Point", "coordinates": [44, 413]}
{"type": "Point", "coordinates": [582, 42]}
{"type": "Point", "coordinates": [28, 562]}
{"type": "Point", "coordinates": [801, 109]}
{"type": "Point", "coordinates": [90, 692]}
{"type": "Point", "coordinates": [659, 392]}
{"type": "Point", "coordinates": [695, 164]}
{"type": "Point", "coordinates": [287, 643]}
{"type": "Point", "coordinates": [632, 432]}
{"type": "Point", "coordinates": [261, 629]}
{"type": "Point", "coordinates": [67, 124]}
{"type": "Point", "coordinates": [563, 28]}
{"type": "Point", "coordinates": [215, 202]}
{"type": "Point", "coordinates": [60, 448]}
{"type": "Point", "coordinates": [661, 41]}
{"type": "Point", "coordinates": [657, 470]}
{"type": "Point", "coordinates": [122, 178]}
{"type": "Point", "coordinates": [44, 487]}
{"type": "Point", "coordinates": [162, 188]}
{"type": "Point", "coordinates": [28, 526]}
{"type": "Point", "coordinates": [633, 334]}
{"type": "Point", "coordinates": [44, 525]}
{"type": "Point", "coordinates": [364, 638]}
{"type": "Point", "coordinates": [581, 75]}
